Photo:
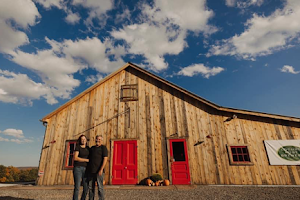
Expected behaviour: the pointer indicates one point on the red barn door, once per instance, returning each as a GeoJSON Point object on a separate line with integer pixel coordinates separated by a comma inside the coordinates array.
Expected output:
{"type": "Point", "coordinates": [124, 169]}
{"type": "Point", "coordinates": [179, 162]}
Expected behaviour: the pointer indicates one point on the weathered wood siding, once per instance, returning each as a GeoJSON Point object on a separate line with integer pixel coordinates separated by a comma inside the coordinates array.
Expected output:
{"type": "Point", "coordinates": [162, 112]}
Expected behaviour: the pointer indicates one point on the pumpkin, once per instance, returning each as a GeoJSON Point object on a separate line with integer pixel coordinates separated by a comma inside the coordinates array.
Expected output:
{"type": "Point", "coordinates": [157, 183]}
{"type": "Point", "coordinates": [166, 182]}
{"type": "Point", "coordinates": [148, 182]}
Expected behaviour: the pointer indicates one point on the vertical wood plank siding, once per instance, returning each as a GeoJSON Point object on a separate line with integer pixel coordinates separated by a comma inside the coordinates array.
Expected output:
{"type": "Point", "coordinates": [160, 113]}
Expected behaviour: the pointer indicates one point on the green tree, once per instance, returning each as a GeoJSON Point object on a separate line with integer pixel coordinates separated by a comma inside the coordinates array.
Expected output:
{"type": "Point", "coordinates": [2, 173]}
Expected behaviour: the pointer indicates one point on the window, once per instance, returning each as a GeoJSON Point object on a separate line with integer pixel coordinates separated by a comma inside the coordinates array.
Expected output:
{"type": "Point", "coordinates": [239, 154]}
{"type": "Point", "coordinates": [178, 151]}
{"type": "Point", "coordinates": [129, 92]}
{"type": "Point", "coordinates": [69, 154]}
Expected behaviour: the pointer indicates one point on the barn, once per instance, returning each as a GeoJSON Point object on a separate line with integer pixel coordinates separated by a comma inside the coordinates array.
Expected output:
{"type": "Point", "coordinates": [150, 125]}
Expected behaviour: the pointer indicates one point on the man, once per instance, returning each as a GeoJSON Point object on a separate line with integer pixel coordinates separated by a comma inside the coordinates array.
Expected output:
{"type": "Point", "coordinates": [97, 161]}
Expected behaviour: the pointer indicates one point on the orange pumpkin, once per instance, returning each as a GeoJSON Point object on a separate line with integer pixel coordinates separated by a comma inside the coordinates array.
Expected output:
{"type": "Point", "coordinates": [157, 183]}
{"type": "Point", "coordinates": [148, 182]}
{"type": "Point", "coordinates": [166, 182]}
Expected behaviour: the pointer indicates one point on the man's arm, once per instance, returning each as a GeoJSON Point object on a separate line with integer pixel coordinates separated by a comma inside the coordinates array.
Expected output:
{"type": "Point", "coordinates": [103, 165]}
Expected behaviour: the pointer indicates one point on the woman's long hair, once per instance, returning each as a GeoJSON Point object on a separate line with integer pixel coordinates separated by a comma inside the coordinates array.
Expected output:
{"type": "Point", "coordinates": [79, 140]}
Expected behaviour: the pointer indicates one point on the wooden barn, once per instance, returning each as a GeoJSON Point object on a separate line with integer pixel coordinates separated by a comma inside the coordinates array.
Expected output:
{"type": "Point", "coordinates": [150, 125]}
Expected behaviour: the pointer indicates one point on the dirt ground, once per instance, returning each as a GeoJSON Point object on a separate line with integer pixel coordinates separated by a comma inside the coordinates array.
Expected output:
{"type": "Point", "coordinates": [165, 192]}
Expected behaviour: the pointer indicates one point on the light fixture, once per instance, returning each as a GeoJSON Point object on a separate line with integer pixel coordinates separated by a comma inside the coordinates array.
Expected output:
{"type": "Point", "coordinates": [199, 142]}
{"type": "Point", "coordinates": [230, 118]}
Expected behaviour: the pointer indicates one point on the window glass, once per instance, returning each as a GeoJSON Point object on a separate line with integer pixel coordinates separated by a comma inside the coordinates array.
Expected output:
{"type": "Point", "coordinates": [178, 151]}
{"type": "Point", "coordinates": [240, 154]}
{"type": "Point", "coordinates": [70, 153]}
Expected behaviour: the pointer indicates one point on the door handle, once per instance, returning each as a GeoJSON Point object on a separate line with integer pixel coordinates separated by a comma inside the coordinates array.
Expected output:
{"type": "Point", "coordinates": [125, 167]}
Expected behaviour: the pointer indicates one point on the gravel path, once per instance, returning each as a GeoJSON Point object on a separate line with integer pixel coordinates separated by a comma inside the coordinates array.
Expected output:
{"type": "Point", "coordinates": [181, 193]}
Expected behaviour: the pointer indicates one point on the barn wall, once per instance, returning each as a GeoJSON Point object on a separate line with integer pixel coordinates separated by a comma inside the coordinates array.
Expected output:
{"type": "Point", "coordinates": [162, 112]}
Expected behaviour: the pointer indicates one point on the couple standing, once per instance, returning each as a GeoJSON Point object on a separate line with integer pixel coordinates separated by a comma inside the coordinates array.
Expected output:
{"type": "Point", "coordinates": [89, 166]}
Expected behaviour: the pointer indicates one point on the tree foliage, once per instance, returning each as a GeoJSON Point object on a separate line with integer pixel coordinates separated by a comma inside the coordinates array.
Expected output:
{"type": "Point", "coordinates": [13, 174]}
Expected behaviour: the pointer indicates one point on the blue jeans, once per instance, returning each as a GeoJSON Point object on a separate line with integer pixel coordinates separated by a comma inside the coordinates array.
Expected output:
{"type": "Point", "coordinates": [80, 175]}
{"type": "Point", "coordinates": [92, 179]}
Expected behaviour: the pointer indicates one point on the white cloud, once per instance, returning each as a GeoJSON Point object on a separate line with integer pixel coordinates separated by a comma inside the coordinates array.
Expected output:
{"type": "Point", "coordinates": [57, 81]}
{"type": "Point", "coordinates": [95, 53]}
{"type": "Point", "coordinates": [19, 88]}
{"type": "Point", "coordinates": [72, 18]}
{"type": "Point", "coordinates": [190, 15]}
{"type": "Point", "coordinates": [3, 139]}
{"type": "Point", "coordinates": [243, 3]}
{"type": "Point", "coordinates": [200, 69]}
{"type": "Point", "coordinates": [50, 3]}
{"type": "Point", "coordinates": [17, 134]}
{"type": "Point", "coordinates": [97, 9]}
{"type": "Point", "coordinates": [123, 16]}
{"type": "Point", "coordinates": [24, 14]}
{"type": "Point", "coordinates": [48, 65]}
{"type": "Point", "coordinates": [163, 28]}
{"type": "Point", "coordinates": [13, 132]}
{"type": "Point", "coordinates": [153, 42]}
{"type": "Point", "coordinates": [18, 141]}
{"type": "Point", "coordinates": [230, 3]}
{"type": "Point", "coordinates": [93, 79]}
{"type": "Point", "coordinates": [289, 69]}
{"type": "Point", "coordinates": [263, 35]}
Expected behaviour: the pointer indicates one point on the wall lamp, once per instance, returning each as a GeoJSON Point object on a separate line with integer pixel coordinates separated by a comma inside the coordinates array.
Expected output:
{"type": "Point", "coordinates": [199, 142]}
{"type": "Point", "coordinates": [230, 118]}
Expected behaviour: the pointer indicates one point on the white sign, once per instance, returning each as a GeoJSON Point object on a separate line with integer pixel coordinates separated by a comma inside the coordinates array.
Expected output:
{"type": "Point", "coordinates": [283, 152]}
{"type": "Point", "coordinates": [41, 173]}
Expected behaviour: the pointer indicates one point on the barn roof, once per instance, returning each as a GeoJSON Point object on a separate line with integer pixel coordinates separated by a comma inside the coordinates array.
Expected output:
{"type": "Point", "coordinates": [172, 85]}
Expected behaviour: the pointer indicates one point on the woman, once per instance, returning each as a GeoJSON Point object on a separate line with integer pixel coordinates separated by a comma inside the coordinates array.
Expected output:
{"type": "Point", "coordinates": [81, 154]}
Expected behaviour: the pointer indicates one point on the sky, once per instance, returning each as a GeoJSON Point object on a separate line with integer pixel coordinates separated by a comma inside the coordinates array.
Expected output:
{"type": "Point", "coordinates": [240, 54]}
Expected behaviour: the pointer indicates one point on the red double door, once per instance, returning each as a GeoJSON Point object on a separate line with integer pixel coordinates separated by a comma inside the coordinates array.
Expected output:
{"type": "Point", "coordinates": [124, 169]}
{"type": "Point", "coordinates": [179, 162]}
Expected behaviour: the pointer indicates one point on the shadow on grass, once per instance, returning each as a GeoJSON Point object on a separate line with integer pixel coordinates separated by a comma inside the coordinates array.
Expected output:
{"type": "Point", "coordinates": [12, 198]}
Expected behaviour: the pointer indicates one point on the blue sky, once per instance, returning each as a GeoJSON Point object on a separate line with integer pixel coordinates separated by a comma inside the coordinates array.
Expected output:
{"type": "Point", "coordinates": [238, 54]}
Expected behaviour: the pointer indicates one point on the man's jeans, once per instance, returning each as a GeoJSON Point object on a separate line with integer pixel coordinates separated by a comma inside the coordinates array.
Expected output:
{"type": "Point", "coordinates": [79, 174]}
{"type": "Point", "coordinates": [92, 179]}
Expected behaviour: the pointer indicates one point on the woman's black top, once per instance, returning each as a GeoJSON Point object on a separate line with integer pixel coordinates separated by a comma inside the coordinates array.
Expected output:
{"type": "Point", "coordinates": [83, 153]}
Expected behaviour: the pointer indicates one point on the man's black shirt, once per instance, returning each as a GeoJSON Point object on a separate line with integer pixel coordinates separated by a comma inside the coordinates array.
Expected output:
{"type": "Point", "coordinates": [96, 158]}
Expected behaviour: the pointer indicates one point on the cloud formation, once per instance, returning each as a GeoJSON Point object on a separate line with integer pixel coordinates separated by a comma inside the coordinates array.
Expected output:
{"type": "Point", "coordinates": [19, 88]}
{"type": "Point", "coordinates": [196, 69]}
{"type": "Point", "coordinates": [13, 132]}
{"type": "Point", "coordinates": [263, 35]}
{"type": "Point", "coordinates": [97, 9]}
{"type": "Point", "coordinates": [289, 69]}
{"type": "Point", "coordinates": [18, 136]}
{"type": "Point", "coordinates": [57, 81]}
{"type": "Point", "coordinates": [15, 16]}
{"type": "Point", "coordinates": [163, 28]}
{"type": "Point", "coordinates": [142, 40]}
{"type": "Point", "coordinates": [244, 3]}
{"type": "Point", "coordinates": [72, 18]}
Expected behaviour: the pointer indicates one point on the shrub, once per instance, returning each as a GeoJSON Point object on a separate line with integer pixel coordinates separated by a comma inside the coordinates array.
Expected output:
{"type": "Point", "coordinates": [156, 177]}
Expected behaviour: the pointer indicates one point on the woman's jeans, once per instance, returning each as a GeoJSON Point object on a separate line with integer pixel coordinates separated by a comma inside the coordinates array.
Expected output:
{"type": "Point", "coordinates": [80, 175]}
{"type": "Point", "coordinates": [92, 179]}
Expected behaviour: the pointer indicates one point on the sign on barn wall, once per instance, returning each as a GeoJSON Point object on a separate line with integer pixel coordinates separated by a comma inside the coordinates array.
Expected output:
{"type": "Point", "coordinates": [283, 152]}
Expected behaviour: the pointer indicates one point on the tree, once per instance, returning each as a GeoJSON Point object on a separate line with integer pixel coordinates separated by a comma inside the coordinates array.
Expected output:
{"type": "Point", "coordinates": [2, 173]}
